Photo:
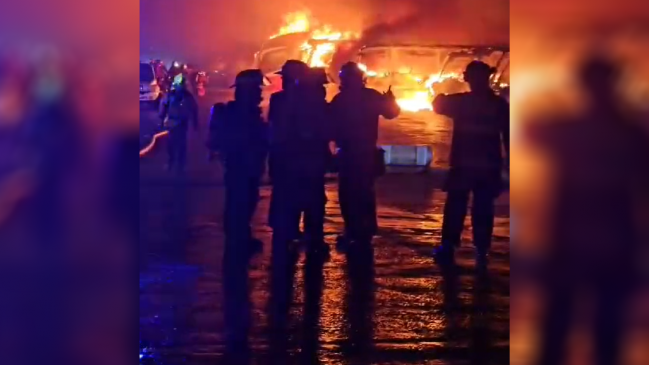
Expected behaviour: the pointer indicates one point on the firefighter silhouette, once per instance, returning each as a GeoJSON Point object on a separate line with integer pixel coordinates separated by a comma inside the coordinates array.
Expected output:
{"type": "Point", "coordinates": [600, 159]}
{"type": "Point", "coordinates": [177, 110]}
{"type": "Point", "coordinates": [299, 155]}
{"type": "Point", "coordinates": [355, 112]}
{"type": "Point", "coordinates": [239, 135]}
{"type": "Point", "coordinates": [480, 131]}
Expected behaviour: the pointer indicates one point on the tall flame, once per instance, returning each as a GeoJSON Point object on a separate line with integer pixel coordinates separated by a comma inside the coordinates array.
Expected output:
{"type": "Point", "coordinates": [296, 22]}
{"type": "Point", "coordinates": [316, 56]}
{"type": "Point", "coordinates": [322, 42]}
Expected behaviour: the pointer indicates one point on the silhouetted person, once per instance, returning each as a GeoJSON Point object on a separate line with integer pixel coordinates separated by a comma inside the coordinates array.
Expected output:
{"type": "Point", "coordinates": [480, 130]}
{"type": "Point", "coordinates": [177, 110]}
{"type": "Point", "coordinates": [355, 112]}
{"type": "Point", "coordinates": [601, 170]}
{"type": "Point", "coordinates": [505, 93]}
{"type": "Point", "coordinates": [300, 152]}
{"type": "Point", "coordinates": [316, 157]}
{"type": "Point", "coordinates": [240, 136]}
{"type": "Point", "coordinates": [175, 69]}
{"type": "Point", "coordinates": [280, 117]}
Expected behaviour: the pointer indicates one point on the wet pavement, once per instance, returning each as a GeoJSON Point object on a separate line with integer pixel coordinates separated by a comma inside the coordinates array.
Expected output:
{"type": "Point", "coordinates": [398, 308]}
{"type": "Point", "coordinates": [149, 124]}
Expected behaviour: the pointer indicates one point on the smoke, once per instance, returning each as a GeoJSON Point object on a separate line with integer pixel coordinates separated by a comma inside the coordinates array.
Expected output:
{"type": "Point", "coordinates": [442, 22]}
{"type": "Point", "coordinates": [205, 28]}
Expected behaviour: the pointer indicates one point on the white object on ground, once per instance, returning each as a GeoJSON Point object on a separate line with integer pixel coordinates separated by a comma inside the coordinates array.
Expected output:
{"type": "Point", "coordinates": [408, 156]}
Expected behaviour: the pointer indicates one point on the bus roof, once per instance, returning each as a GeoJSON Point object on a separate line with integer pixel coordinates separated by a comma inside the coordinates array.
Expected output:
{"type": "Point", "coordinates": [287, 40]}
{"type": "Point", "coordinates": [455, 47]}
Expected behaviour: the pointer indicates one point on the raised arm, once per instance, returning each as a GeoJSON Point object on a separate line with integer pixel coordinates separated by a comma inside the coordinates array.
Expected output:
{"type": "Point", "coordinates": [389, 107]}
{"type": "Point", "coordinates": [443, 105]}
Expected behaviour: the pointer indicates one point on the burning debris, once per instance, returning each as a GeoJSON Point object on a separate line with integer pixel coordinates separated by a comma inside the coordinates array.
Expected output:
{"type": "Point", "coordinates": [297, 22]}
{"type": "Point", "coordinates": [319, 49]}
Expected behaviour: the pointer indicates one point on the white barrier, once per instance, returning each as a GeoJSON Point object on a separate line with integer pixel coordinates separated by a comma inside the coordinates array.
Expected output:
{"type": "Point", "coordinates": [399, 158]}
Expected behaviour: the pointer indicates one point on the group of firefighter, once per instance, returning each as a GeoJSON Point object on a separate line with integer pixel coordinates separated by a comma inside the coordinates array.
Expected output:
{"type": "Point", "coordinates": [307, 137]}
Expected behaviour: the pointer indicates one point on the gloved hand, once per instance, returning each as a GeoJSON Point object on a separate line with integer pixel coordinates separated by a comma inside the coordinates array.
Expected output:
{"type": "Point", "coordinates": [389, 93]}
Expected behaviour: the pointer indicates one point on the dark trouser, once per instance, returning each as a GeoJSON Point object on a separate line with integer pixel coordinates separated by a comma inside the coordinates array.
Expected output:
{"type": "Point", "coordinates": [290, 200]}
{"type": "Point", "coordinates": [314, 212]}
{"type": "Point", "coordinates": [241, 199]}
{"type": "Point", "coordinates": [177, 148]}
{"type": "Point", "coordinates": [358, 204]}
{"type": "Point", "coordinates": [610, 299]}
{"type": "Point", "coordinates": [485, 189]}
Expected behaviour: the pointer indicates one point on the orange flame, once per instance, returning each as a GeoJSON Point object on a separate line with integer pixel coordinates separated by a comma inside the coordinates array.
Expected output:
{"type": "Point", "coordinates": [416, 100]}
{"type": "Point", "coordinates": [296, 22]}
{"type": "Point", "coordinates": [322, 43]}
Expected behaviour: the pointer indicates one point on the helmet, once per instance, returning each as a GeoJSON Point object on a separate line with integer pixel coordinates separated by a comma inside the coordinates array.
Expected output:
{"type": "Point", "coordinates": [250, 77]}
{"type": "Point", "coordinates": [478, 69]}
{"type": "Point", "coordinates": [294, 69]}
{"type": "Point", "coordinates": [319, 76]}
{"type": "Point", "coordinates": [598, 68]}
{"type": "Point", "coordinates": [351, 71]}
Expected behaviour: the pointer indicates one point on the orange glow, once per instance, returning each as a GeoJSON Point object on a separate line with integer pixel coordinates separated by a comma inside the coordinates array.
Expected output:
{"type": "Point", "coordinates": [415, 102]}
{"type": "Point", "coordinates": [418, 99]}
{"type": "Point", "coordinates": [297, 22]}
{"type": "Point", "coordinates": [317, 56]}
{"type": "Point", "coordinates": [369, 73]}
{"type": "Point", "coordinates": [319, 49]}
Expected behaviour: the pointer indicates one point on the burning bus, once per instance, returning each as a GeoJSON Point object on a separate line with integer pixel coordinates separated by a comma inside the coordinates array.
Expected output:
{"type": "Point", "coordinates": [418, 72]}
{"type": "Point", "coordinates": [457, 60]}
{"type": "Point", "coordinates": [299, 39]}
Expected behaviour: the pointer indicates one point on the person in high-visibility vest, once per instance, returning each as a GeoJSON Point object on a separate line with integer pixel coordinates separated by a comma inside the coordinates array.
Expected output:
{"type": "Point", "coordinates": [177, 110]}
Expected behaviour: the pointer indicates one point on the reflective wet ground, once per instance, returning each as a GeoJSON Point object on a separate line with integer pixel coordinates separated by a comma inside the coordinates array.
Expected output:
{"type": "Point", "coordinates": [397, 308]}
